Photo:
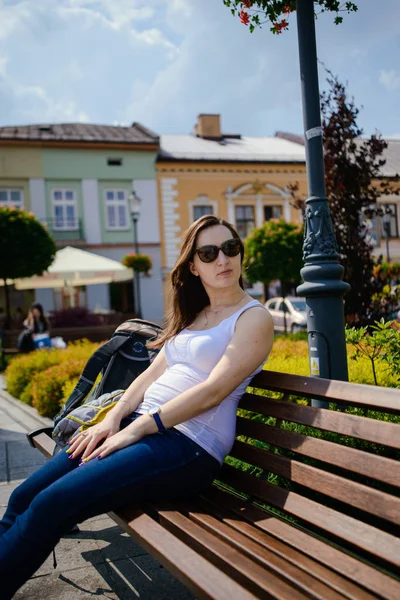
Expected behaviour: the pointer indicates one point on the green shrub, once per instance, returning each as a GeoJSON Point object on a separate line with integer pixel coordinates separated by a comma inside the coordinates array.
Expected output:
{"type": "Point", "coordinates": [67, 389]}
{"type": "Point", "coordinates": [289, 356]}
{"type": "Point", "coordinates": [47, 386]}
{"type": "Point", "coordinates": [22, 369]}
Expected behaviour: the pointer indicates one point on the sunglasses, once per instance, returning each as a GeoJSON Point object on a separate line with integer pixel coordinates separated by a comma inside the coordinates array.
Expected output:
{"type": "Point", "coordinates": [208, 254]}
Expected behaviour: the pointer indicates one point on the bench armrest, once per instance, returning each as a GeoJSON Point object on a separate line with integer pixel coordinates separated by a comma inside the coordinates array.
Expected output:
{"type": "Point", "coordinates": [47, 430]}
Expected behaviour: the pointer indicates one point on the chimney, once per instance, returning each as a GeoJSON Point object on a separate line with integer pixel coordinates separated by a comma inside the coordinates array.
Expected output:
{"type": "Point", "coordinates": [208, 126]}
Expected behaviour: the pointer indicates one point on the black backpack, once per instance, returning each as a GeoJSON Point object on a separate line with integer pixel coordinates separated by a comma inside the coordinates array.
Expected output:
{"type": "Point", "coordinates": [120, 361]}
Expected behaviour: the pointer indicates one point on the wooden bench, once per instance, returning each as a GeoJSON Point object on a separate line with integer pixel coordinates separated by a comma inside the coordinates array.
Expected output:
{"type": "Point", "coordinates": [307, 518]}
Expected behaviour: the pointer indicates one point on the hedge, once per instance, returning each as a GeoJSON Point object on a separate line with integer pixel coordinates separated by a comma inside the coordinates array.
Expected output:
{"type": "Point", "coordinates": [289, 356]}
{"type": "Point", "coordinates": [39, 378]}
{"type": "Point", "coordinates": [45, 378]}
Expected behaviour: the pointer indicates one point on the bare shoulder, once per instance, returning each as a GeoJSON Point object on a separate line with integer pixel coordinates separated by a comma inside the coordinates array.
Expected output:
{"type": "Point", "coordinates": [255, 320]}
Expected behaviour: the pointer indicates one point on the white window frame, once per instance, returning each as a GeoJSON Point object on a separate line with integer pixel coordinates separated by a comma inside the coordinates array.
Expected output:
{"type": "Point", "coordinates": [10, 202]}
{"type": "Point", "coordinates": [202, 200]}
{"type": "Point", "coordinates": [116, 203]}
{"type": "Point", "coordinates": [274, 205]}
{"type": "Point", "coordinates": [64, 202]}
{"type": "Point", "coordinates": [253, 207]}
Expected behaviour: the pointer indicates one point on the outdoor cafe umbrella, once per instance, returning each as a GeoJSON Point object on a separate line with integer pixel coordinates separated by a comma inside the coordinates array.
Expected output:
{"type": "Point", "coordinates": [73, 267]}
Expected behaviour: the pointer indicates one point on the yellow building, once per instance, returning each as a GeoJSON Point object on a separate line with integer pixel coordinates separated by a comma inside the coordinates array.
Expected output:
{"type": "Point", "coordinates": [241, 179]}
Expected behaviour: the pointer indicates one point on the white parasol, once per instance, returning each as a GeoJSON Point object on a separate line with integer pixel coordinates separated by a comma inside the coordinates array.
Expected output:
{"type": "Point", "coordinates": [73, 267]}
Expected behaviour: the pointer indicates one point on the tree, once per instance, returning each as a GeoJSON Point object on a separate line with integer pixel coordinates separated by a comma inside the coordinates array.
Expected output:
{"type": "Point", "coordinates": [255, 13]}
{"type": "Point", "coordinates": [352, 176]}
{"type": "Point", "coordinates": [274, 251]}
{"type": "Point", "coordinates": [26, 248]}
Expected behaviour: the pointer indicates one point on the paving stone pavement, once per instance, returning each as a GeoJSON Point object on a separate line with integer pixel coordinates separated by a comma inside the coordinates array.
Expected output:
{"type": "Point", "coordinates": [101, 560]}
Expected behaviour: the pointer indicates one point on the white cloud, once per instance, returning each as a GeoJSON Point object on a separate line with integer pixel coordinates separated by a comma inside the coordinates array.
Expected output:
{"type": "Point", "coordinates": [116, 13]}
{"type": "Point", "coordinates": [390, 79]}
{"type": "Point", "coordinates": [35, 105]}
{"type": "Point", "coordinates": [163, 61]}
{"type": "Point", "coordinates": [3, 65]}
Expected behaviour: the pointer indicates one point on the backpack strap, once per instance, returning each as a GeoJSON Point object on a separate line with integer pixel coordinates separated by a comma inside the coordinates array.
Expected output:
{"type": "Point", "coordinates": [89, 374]}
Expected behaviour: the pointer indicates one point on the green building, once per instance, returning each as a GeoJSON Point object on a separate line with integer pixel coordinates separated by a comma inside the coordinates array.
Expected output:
{"type": "Point", "coordinates": [77, 178]}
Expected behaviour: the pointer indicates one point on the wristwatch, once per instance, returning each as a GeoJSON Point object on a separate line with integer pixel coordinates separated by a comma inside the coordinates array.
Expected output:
{"type": "Point", "coordinates": [155, 413]}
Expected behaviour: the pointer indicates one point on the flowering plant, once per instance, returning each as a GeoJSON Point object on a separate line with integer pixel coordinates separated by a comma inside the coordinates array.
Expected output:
{"type": "Point", "coordinates": [253, 12]}
{"type": "Point", "coordinates": [141, 263]}
{"type": "Point", "coordinates": [387, 271]}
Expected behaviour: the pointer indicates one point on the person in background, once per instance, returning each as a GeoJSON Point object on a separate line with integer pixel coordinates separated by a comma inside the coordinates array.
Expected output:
{"type": "Point", "coordinates": [36, 322]}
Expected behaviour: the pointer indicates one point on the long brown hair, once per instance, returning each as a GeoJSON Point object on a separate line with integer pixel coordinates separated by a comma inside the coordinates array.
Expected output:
{"type": "Point", "coordinates": [187, 294]}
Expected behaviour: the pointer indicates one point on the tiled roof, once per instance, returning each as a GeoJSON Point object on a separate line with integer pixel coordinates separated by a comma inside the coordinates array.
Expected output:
{"type": "Point", "coordinates": [392, 156]}
{"type": "Point", "coordinates": [241, 149]}
{"type": "Point", "coordinates": [80, 132]}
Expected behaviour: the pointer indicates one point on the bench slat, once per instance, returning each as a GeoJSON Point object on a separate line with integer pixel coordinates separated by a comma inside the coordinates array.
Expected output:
{"type": "Point", "coordinates": [228, 559]}
{"type": "Point", "coordinates": [373, 501]}
{"type": "Point", "coordinates": [342, 392]}
{"type": "Point", "coordinates": [372, 430]}
{"type": "Point", "coordinates": [364, 463]}
{"type": "Point", "coordinates": [251, 546]}
{"type": "Point", "coordinates": [195, 572]}
{"type": "Point", "coordinates": [345, 564]}
{"type": "Point", "coordinates": [223, 510]}
{"type": "Point", "coordinates": [359, 534]}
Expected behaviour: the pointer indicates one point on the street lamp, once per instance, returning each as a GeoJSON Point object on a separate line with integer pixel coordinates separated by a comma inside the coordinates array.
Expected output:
{"type": "Point", "coordinates": [386, 219]}
{"type": "Point", "coordinates": [323, 287]}
{"type": "Point", "coordinates": [134, 205]}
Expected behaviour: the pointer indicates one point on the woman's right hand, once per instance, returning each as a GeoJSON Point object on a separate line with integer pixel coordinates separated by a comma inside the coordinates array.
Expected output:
{"type": "Point", "coordinates": [86, 441]}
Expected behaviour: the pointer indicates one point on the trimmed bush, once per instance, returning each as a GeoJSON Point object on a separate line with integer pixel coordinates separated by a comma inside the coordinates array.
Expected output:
{"type": "Point", "coordinates": [289, 356]}
{"type": "Point", "coordinates": [22, 369]}
{"type": "Point", "coordinates": [47, 386]}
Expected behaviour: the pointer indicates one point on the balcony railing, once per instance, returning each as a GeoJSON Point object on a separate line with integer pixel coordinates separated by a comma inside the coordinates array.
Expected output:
{"type": "Point", "coordinates": [64, 229]}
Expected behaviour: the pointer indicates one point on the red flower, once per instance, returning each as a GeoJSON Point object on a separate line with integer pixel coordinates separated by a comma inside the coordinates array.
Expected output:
{"type": "Point", "coordinates": [286, 10]}
{"type": "Point", "coordinates": [247, 3]}
{"type": "Point", "coordinates": [244, 17]}
{"type": "Point", "coordinates": [280, 26]}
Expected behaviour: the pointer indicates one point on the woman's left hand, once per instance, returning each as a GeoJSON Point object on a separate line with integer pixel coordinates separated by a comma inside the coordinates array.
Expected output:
{"type": "Point", "coordinates": [123, 438]}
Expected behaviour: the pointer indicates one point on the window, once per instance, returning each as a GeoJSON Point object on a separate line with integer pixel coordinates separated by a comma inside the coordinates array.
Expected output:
{"type": "Point", "coordinates": [12, 197]}
{"type": "Point", "coordinates": [114, 162]}
{"type": "Point", "coordinates": [116, 209]}
{"type": "Point", "coordinates": [201, 210]}
{"type": "Point", "coordinates": [244, 216]}
{"type": "Point", "coordinates": [272, 306]}
{"type": "Point", "coordinates": [272, 212]}
{"type": "Point", "coordinates": [393, 228]}
{"type": "Point", "coordinates": [64, 210]}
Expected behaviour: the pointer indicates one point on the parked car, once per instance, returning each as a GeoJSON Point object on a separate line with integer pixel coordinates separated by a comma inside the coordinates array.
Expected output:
{"type": "Point", "coordinates": [295, 310]}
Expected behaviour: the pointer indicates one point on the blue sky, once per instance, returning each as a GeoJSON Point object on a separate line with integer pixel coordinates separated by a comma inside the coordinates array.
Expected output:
{"type": "Point", "coordinates": [161, 62]}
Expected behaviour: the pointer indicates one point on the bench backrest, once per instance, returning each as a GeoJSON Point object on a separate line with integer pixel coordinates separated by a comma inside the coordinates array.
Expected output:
{"type": "Point", "coordinates": [342, 487]}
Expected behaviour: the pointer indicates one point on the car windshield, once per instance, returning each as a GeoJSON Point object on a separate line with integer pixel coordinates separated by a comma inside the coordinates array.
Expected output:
{"type": "Point", "coordinates": [299, 305]}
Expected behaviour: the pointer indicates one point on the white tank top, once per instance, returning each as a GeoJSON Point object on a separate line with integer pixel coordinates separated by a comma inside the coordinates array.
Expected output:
{"type": "Point", "coordinates": [191, 356]}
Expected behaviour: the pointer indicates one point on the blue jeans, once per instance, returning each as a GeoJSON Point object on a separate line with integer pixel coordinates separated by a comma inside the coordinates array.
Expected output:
{"type": "Point", "coordinates": [162, 466]}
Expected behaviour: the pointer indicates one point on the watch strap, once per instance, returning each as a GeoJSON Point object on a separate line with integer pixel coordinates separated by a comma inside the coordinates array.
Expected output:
{"type": "Point", "coordinates": [159, 423]}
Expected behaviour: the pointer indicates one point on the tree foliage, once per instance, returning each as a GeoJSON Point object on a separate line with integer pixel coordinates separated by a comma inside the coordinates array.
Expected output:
{"type": "Point", "coordinates": [255, 13]}
{"type": "Point", "coordinates": [274, 251]}
{"type": "Point", "coordinates": [352, 176]}
{"type": "Point", "coordinates": [26, 248]}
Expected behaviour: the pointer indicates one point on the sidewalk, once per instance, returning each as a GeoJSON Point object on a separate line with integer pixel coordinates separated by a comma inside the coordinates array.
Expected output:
{"type": "Point", "coordinates": [100, 560]}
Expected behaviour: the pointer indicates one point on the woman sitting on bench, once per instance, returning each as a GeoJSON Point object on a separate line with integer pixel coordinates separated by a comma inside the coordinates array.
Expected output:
{"type": "Point", "coordinates": [170, 432]}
